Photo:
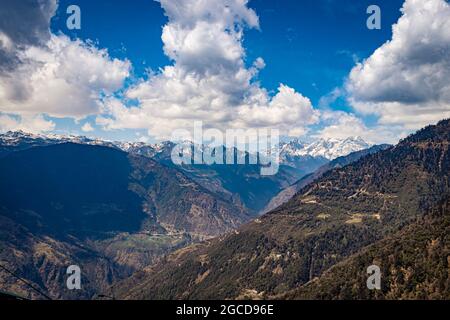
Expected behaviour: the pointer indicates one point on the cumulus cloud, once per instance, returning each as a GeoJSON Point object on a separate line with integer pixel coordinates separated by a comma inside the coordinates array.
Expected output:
{"type": "Point", "coordinates": [208, 79]}
{"type": "Point", "coordinates": [87, 127]}
{"type": "Point", "coordinates": [22, 24]}
{"type": "Point", "coordinates": [28, 123]}
{"type": "Point", "coordinates": [63, 79]}
{"type": "Point", "coordinates": [341, 125]}
{"type": "Point", "coordinates": [51, 74]}
{"type": "Point", "coordinates": [407, 80]}
{"type": "Point", "coordinates": [288, 109]}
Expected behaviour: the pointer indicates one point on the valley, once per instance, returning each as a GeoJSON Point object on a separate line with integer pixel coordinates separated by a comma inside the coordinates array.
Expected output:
{"type": "Point", "coordinates": [329, 223]}
{"type": "Point", "coordinates": [142, 228]}
{"type": "Point", "coordinates": [201, 152]}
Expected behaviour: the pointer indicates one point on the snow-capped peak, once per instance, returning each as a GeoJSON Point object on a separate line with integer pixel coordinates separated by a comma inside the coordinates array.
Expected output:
{"type": "Point", "coordinates": [12, 138]}
{"type": "Point", "coordinates": [327, 148]}
{"type": "Point", "coordinates": [20, 138]}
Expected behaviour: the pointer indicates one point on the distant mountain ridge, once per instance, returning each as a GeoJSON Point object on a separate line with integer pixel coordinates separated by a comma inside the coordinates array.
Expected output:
{"type": "Point", "coordinates": [297, 159]}
{"type": "Point", "coordinates": [242, 185]}
{"type": "Point", "coordinates": [323, 148]}
{"type": "Point", "coordinates": [12, 141]}
{"type": "Point", "coordinates": [326, 148]}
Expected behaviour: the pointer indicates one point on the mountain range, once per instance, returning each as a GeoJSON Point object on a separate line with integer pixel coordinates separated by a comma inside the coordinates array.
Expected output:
{"type": "Point", "coordinates": [329, 149]}
{"type": "Point", "coordinates": [389, 208]}
{"type": "Point", "coordinates": [142, 228]}
{"type": "Point", "coordinates": [241, 185]}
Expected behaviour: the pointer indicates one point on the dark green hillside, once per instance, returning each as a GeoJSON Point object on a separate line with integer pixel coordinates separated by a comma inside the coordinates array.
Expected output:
{"type": "Point", "coordinates": [415, 264]}
{"type": "Point", "coordinates": [286, 194]}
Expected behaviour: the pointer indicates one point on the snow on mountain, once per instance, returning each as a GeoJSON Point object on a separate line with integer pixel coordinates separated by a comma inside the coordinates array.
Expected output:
{"type": "Point", "coordinates": [14, 138]}
{"type": "Point", "coordinates": [326, 148]}
{"type": "Point", "coordinates": [19, 140]}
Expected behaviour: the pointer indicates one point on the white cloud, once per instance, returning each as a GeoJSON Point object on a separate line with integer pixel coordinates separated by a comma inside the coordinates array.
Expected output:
{"type": "Point", "coordinates": [6, 43]}
{"type": "Point", "coordinates": [63, 79]}
{"type": "Point", "coordinates": [407, 80]}
{"type": "Point", "coordinates": [327, 100]}
{"type": "Point", "coordinates": [23, 24]}
{"type": "Point", "coordinates": [208, 80]}
{"type": "Point", "coordinates": [341, 125]}
{"type": "Point", "coordinates": [46, 74]}
{"type": "Point", "coordinates": [27, 123]}
{"type": "Point", "coordinates": [87, 127]}
{"type": "Point", "coordinates": [288, 109]}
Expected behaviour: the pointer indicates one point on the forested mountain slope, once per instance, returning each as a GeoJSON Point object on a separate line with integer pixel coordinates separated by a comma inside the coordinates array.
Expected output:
{"type": "Point", "coordinates": [329, 220]}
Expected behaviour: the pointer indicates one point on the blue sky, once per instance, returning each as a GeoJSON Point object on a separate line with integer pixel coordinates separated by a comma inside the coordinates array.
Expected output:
{"type": "Point", "coordinates": [309, 45]}
{"type": "Point", "coordinates": [310, 68]}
